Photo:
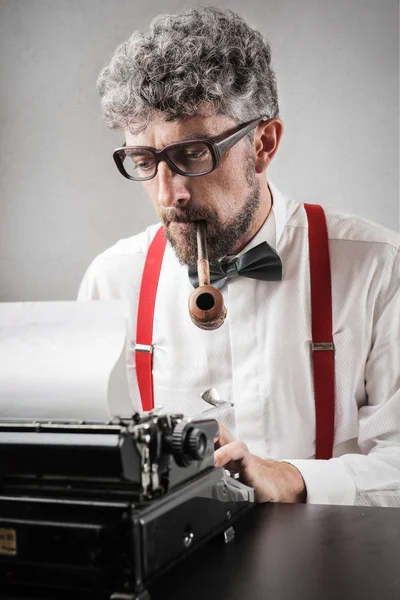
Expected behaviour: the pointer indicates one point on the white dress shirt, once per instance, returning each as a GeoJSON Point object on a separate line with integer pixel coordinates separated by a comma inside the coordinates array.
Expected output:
{"type": "Point", "coordinates": [260, 359]}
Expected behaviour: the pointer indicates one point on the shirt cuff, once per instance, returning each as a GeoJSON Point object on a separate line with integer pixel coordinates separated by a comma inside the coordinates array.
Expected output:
{"type": "Point", "coordinates": [327, 481]}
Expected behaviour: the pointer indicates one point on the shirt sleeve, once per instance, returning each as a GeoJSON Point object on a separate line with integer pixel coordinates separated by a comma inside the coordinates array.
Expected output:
{"type": "Point", "coordinates": [97, 283]}
{"type": "Point", "coordinates": [373, 477]}
{"type": "Point", "coordinates": [88, 289]}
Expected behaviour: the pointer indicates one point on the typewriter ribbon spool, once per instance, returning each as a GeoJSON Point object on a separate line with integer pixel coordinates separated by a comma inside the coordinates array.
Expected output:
{"type": "Point", "coordinates": [206, 304]}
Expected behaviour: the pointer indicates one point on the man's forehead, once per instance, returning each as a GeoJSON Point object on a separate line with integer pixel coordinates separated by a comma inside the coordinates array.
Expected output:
{"type": "Point", "coordinates": [161, 132]}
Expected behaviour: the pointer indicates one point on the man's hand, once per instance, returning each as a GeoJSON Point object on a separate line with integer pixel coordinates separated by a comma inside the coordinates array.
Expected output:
{"type": "Point", "coordinates": [273, 481]}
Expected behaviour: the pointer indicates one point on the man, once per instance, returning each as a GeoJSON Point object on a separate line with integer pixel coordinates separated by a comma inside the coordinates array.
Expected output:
{"type": "Point", "coordinates": [179, 92]}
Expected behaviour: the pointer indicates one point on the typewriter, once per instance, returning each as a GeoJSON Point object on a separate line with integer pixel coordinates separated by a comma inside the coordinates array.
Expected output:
{"type": "Point", "coordinates": [100, 510]}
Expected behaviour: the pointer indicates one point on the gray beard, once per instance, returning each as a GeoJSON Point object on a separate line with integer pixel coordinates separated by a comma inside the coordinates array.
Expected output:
{"type": "Point", "coordinates": [221, 238]}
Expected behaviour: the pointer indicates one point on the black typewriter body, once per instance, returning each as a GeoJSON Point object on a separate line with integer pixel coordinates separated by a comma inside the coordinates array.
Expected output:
{"type": "Point", "coordinates": [101, 510]}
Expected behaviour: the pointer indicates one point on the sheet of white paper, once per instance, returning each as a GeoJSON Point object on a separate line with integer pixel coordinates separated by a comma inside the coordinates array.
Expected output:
{"type": "Point", "coordinates": [63, 361]}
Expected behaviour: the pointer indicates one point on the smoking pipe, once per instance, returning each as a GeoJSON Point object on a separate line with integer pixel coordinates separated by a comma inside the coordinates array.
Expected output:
{"type": "Point", "coordinates": [206, 304]}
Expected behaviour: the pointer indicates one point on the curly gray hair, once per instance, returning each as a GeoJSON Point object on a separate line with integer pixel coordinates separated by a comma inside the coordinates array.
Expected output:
{"type": "Point", "coordinates": [200, 57]}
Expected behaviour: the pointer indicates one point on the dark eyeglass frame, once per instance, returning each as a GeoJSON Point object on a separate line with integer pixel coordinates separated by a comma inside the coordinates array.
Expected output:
{"type": "Point", "coordinates": [217, 150]}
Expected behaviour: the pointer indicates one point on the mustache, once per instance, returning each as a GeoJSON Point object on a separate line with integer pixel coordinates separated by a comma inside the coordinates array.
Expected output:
{"type": "Point", "coordinates": [189, 215]}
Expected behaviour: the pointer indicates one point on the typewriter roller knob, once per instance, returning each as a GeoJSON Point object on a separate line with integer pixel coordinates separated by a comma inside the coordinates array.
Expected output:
{"type": "Point", "coordinates": [188, 443]}
{"type": "Point", "coordinates": [197, 443]}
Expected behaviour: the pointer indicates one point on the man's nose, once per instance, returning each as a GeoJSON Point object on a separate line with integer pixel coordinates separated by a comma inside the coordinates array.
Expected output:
{"type": "Point", "coordinates": [172, 187]}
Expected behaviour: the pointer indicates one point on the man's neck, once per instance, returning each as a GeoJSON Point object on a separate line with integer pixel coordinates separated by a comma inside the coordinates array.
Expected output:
{"type": "Point", "coordinates": [261, 215]}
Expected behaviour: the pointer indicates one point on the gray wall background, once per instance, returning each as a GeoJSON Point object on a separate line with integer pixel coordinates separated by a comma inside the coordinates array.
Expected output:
{"type": "Point", "coordinates": [62, 201]}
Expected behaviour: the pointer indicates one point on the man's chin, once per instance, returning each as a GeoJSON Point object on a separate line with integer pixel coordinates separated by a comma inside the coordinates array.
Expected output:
{"type": "Point", "coordinates": [182, 237]}
{"type": "Point", "coordinates": [182, 234]}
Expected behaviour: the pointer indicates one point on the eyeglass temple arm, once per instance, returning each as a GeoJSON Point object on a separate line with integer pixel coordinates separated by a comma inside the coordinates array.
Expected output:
{"type": "Point", "coordinates": [230, 141]}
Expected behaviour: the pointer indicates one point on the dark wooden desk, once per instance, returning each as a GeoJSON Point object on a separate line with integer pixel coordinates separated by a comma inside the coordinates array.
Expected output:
{"type": "Point", "coordinates": [293, 552]}
{"type": "Point", "coordinates": [296, 552]}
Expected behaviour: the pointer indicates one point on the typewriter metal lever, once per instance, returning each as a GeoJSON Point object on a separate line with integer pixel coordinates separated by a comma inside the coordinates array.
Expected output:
{"type": "Point", "coordinates": [212, 397]}
{"type": "Point", "coordinates": [143, 437]}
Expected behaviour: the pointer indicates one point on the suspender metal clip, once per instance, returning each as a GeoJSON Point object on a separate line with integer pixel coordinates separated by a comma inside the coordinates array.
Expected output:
{"type": "Point", "coordinates": [143, 348]}
{"type": "Point", "coordinates": [325, 346]}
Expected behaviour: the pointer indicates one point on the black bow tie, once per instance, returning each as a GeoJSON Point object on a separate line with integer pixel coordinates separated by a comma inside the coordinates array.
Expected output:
{"type": "Point", "coordinates": [260, 262]}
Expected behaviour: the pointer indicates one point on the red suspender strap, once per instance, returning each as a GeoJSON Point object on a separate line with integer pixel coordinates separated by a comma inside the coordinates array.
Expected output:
{"type": "Point", "coordinates": [145, 318]}
{"type": "Point", "coordinates": [321, 323]}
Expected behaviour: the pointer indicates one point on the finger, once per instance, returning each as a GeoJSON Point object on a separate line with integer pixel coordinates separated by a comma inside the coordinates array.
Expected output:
{"type": "Point", "coordinates": [224, 437]}
{"type": "Point", "coordinates": [233, 467]}
{"type": "Point", "coordinates": [234, 451]}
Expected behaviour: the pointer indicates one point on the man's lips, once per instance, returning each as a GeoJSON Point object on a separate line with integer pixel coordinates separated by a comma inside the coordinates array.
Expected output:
{"type": "Point", "coordinates": [182, 222]}
{"type": "Point", "coordinates": [187, 225]}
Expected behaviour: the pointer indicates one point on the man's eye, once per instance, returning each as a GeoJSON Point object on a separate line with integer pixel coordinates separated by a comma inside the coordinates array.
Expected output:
{"type": "Point", "coordinates": [195, 155]}
{"type": "Point", "coordinates": [142, 164]}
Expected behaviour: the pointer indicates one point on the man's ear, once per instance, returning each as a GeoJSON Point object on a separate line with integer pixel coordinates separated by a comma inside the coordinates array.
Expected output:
{"type": "Point", "coordinates": [267, 138]}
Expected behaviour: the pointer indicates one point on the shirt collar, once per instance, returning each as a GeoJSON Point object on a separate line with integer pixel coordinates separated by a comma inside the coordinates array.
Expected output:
{"type": "Point", "coordinates": [272, 228]}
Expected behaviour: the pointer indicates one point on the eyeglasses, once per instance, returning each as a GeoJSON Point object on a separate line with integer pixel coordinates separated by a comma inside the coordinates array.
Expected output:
{"type": "Point", "coordinates": [190, 158]}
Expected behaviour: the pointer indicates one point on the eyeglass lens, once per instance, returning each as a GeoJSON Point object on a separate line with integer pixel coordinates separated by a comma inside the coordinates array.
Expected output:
{"type": "Point", "coordinates": [192, 158]}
